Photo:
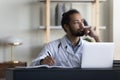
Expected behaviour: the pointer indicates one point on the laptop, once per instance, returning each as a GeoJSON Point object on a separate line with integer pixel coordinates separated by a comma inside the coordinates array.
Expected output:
{"type": "Point", "coordinates": [98, 55]}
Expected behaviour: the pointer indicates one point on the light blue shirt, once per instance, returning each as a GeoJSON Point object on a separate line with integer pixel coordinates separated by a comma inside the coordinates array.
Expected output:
{"type": "Point", "coordinates": [62, 52]}
{"type": "Point", "coordinates": [73, 47]}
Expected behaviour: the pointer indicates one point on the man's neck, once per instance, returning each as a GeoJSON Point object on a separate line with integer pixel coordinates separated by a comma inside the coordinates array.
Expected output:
{"type": "Point", "coordinates": [74, 40]}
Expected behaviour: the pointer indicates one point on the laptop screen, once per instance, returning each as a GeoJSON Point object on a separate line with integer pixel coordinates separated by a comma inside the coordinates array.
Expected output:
{"type": "Point", "coordinates": [98, 55]}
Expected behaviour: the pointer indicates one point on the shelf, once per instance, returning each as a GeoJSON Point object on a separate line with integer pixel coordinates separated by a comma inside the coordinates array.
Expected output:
{"type": "Point", "coordinates": [72, 0]}
{"type": "Point", "coordinates": [51, 27]}
{"type": "Point", "coordinates": [59, 27]}
{"type": "Point", "coordinates": [94, 10]}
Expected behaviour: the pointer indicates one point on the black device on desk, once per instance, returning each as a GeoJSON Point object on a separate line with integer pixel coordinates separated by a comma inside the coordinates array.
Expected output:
{"type": "Point", "coordinates": [62, 74]}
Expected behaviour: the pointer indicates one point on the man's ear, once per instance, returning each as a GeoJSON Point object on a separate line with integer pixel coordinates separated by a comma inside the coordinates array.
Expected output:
{"type": "Point", "coordinates": [66, 27]}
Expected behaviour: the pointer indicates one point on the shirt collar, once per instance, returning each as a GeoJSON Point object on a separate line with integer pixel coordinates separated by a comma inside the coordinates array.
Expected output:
{"type": "Point", "coordinates": [70, 43]}
{"type": "Point", "coordinates": [65, 42]}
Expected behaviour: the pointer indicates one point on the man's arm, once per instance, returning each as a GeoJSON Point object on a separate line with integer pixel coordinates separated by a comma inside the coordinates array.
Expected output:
{"type": "Point", "coordinates": [45, 57]}
{"type": "Point", "coordinates": [92, 33]}
{"type": "Point", "coordinates": [96, 38]}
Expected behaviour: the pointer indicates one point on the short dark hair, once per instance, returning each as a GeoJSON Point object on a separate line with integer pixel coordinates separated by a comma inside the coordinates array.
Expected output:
{"type": "Point", "coordinates": [66, 17]}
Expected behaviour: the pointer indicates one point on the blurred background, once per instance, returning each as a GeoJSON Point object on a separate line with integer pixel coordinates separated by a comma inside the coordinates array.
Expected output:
{"type": "Point", "coordinates": [21, 20]}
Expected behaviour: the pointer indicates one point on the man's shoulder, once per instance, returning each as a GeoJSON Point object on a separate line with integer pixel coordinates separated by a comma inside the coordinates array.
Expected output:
{"type": "Point", "coordinates": [55, 41]}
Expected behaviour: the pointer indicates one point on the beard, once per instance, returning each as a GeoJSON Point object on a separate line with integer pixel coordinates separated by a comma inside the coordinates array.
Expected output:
{"type": "Point", "coordinates": [77, 33]}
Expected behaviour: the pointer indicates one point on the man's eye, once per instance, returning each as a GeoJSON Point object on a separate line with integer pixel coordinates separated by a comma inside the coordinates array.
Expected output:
{"type": "Point", "coordinates": [76, 22]}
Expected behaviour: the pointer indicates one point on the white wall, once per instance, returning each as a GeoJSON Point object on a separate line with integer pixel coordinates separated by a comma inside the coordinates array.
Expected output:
{"type": "Point", "coordinates": [116, 27]}
{"type": "Point", "coordinates": [21, 19]}
{"type": "Point", "coordinates": [16, 21]}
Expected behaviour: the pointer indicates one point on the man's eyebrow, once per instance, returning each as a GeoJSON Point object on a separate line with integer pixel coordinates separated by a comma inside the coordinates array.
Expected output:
{"type": "Point", "coordinates": [76, 20]}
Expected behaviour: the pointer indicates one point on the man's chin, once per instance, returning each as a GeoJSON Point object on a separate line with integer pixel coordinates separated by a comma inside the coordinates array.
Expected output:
{"type": "Point", "coordinates": [81, 34]}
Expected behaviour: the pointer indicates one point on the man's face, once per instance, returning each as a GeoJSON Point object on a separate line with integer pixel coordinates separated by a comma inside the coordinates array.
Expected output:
{"type": "Point", "coordinates": [76, 25]}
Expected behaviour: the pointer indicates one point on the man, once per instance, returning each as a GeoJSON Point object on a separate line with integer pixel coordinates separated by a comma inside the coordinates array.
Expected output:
{"type": "Point", "coordinates": [66, 51]}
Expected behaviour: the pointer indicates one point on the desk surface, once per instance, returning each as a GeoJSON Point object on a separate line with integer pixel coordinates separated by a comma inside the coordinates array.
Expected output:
{"type": "Point", "coordinates": [63, 74]}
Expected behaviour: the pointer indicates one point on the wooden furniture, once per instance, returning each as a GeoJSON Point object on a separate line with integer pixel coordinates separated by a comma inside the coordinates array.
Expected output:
{"type": "Point", "coordinates": [95, 14]}
{"type": "Point", "coordinates": [5, 65]}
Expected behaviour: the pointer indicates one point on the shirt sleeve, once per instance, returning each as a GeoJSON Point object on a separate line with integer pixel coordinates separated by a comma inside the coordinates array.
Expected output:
{"type": "Point", "coordinates": [42, 55]}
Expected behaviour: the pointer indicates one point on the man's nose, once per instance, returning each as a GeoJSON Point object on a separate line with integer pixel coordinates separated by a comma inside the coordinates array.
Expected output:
{"type": "Point", "coordinates": [81, 25]}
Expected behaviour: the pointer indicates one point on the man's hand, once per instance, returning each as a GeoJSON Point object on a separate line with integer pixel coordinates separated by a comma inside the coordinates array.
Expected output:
{"type": "Point", "coordinates": [92, 33]}
{"type": "Point", "coordinates": [48, 60]}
